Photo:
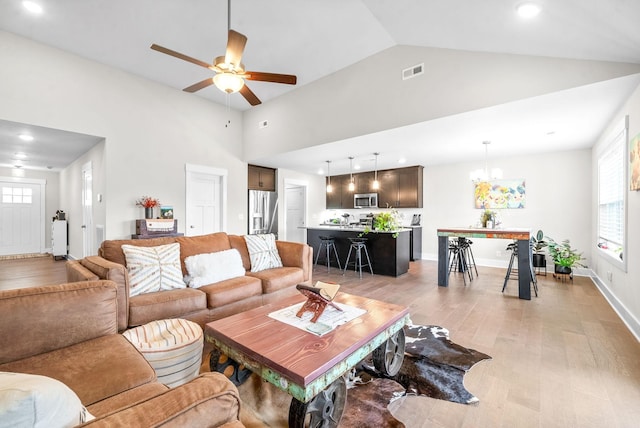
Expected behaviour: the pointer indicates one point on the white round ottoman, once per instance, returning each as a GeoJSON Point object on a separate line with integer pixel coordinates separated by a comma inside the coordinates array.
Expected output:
{"type": "Point", "coordinates": [173, 347]}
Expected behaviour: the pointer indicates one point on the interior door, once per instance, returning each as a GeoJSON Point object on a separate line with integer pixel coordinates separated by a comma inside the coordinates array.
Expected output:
{"type": "Point", "coordinates": [21, 217]}
{"type": "Point", "coordinates": [295, 199]}
{"type": "Point", "coordinates": [87, 210]}
{"type": "Point", "coordinates": [205, 200]}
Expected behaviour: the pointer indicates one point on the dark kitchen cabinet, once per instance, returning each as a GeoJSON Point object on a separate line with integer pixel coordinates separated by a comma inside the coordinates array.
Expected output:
{"type": "Point", "coordinates": [341, 197]}
{"type": "Point", "coordinates": [262, 178]}
{"type": "Point", "coordinates": [334, 198]}
{"type": "Point", "coordinates": [401, 187]}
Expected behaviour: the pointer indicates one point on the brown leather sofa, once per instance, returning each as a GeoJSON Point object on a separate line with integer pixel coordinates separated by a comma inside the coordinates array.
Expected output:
{"type": "Point", "coordinates": [204, 304]}
{"type": "Point", "coordinates": [69, 332]}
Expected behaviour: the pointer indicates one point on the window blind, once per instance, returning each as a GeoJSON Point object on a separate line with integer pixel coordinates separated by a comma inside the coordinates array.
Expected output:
{"type": "Point", "coordinates": [611, 194]}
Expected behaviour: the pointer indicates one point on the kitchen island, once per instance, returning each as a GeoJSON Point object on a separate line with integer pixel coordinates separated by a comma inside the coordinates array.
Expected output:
{"type": "Point", "coordinates": [389, 255]}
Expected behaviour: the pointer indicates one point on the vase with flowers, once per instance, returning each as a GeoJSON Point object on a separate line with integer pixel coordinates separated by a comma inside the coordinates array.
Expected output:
{"type": "Point", "coordinates": [148, 203]}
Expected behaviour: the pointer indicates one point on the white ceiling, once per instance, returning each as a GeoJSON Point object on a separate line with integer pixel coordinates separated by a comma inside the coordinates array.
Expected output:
{"type": "Point", "coordinates": [314, 38]}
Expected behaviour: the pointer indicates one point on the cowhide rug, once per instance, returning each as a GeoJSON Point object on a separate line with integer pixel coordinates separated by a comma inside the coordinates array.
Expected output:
{"type": "Point", "coordinates": [433, 366]}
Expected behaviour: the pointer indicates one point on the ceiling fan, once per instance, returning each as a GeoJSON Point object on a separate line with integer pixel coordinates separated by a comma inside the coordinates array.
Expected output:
{"type": "Point", "coordinates": [230, 72]}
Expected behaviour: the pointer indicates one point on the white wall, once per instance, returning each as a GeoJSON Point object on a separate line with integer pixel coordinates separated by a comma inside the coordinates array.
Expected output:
{"type": "Point", "coordinates": [151, 131]}
{"type": "Point", "coordinates": [558, 198]}
{"type": "Point", "coordinates": [71, 197]}
{"type": "Point", "coordinates": [342, 105]}
{"type": "Point", "coordinates": [623, 290]}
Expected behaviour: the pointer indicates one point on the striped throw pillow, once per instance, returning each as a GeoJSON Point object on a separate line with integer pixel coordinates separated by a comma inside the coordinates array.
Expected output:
{"type": "Point", "coordinates": [153, 268]}
{"type": "Point", "coordinates": [263, 252]}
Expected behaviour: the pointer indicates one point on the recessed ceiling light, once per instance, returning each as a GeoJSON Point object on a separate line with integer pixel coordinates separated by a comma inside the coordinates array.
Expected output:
{"type": "Point", "coordinates": [19, 155]}
{"type": "Point", "coordinates": [402, 160]}
{"type": "Point", "coordinates": [356, 166]}
{"type": "Point", "coordinates": [528, 9]}
{"type": "Point", "coordinates": [32, 7]}
{"type": "Point", "coordinates": [25, 137]}
{"type": "Point", "coordinates": [320, 171]}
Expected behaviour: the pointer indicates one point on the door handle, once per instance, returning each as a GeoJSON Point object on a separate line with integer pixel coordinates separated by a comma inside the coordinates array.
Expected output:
{"type": "Point", "coordinates": [192, 227]}
{"type": "Point", "coordinates": [84, 226]}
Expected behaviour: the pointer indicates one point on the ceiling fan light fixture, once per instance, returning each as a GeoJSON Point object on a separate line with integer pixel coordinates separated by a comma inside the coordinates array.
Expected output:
{"type": "Point", "coordinates": [228, 82]}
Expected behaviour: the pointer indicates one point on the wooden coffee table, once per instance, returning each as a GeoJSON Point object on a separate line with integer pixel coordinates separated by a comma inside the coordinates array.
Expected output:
{"type": "Point", "coordinates": [308, 367]}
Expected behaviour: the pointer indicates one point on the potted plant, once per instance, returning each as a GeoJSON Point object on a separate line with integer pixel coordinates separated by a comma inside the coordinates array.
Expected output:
{"type": "Point", "coordinates": [564, 257]}
{"type": "Point", "coordinates": [149, 203]}
{"type": "Point", "coordinates": [539, 244]}
{"type": "Point", "coordinates": [386, 221]}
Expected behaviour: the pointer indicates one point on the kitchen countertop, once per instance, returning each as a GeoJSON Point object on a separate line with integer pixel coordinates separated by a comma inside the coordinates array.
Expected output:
{"type": "Point", "coordinates": [348, 228]}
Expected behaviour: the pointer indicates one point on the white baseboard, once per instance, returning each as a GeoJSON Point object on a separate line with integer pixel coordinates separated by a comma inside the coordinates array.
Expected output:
{"type": "Point", "coordinates": [627, 317]}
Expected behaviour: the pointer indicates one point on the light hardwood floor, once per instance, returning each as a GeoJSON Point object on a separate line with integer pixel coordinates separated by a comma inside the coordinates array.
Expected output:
{"type": "Point", "coordinates": [563, 359]}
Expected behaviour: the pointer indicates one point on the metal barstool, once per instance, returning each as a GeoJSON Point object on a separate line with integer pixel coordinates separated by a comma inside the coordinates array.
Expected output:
{"type": "Point", "coordinates": [358, 244]}
{"type": "Point", "coordinates": [326, 244]}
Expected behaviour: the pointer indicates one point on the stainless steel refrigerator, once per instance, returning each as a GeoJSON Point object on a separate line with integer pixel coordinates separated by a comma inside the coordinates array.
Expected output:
{"type": "Point", "coordinates": [263, 212]}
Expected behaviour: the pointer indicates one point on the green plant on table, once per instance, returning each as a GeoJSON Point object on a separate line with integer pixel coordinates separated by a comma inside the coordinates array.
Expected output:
{"type": "Point", "coordinates": [386, 221]}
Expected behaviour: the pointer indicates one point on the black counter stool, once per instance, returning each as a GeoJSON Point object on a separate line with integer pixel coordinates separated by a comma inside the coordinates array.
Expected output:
{"type": "Point", "coordinates": [358, 244]}
{"type": "Point", "coordinates": [512, 272]}
{"type": "Point", "coordinates": [326, 244]}
{"type": "Point", "coordinates": [458, 256]}
{"type": "Point", "coordinates": [465, 247]}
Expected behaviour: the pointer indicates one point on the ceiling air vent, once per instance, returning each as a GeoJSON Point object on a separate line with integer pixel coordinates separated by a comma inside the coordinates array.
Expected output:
{"type": "Point", "coordinates": [414, 71]}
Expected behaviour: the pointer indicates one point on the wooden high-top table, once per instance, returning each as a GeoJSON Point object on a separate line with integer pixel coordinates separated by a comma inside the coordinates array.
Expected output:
{"type": "Point", "coordinates": [308, 367]}
{"type": "Point", "coordinates": [521, 235]}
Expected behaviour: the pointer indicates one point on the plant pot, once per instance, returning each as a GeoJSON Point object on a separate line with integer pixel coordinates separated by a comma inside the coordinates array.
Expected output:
{"type": "Point", "coordinates": [562, 269]}
{"type": "Point", "coordinates": [148, 213]}
{"type": "Point", "coordinates": [539, 260]}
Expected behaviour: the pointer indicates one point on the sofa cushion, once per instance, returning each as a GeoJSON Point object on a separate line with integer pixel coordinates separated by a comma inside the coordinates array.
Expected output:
{"type": "Point", "coordinates": [126, 398]}
{"type": "Point", "coordinates": [153, 268]}
{"type": "Point", "coordinates": [231, 290]}
{"type": "Point", "coordinates": [94, 369]}
{"type": "Point", "coordinates": [192, 245]}
{"type": "Point", "coordinates": [209, 268]}
{"type": "Point", "coordinates": [278, 278]}
{"type": "Point", "coordinates": [263, 252]}
{"type": "Point", "coordinates": [165, 304]}
{"type": "Point", "coordinates": [210, 400]}
{"type": "Point", "coordinates": [37, 320]}
{"type": "Point", "coordinates": [38, 401]}
{"type": "Point", "coordinates": [112, 249]}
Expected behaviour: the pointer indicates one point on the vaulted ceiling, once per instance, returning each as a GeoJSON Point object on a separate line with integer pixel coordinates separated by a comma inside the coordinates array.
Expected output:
{"type": "Point", "coordinates": [315, 38]}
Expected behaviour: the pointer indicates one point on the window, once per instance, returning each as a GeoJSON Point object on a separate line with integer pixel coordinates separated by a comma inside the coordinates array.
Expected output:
{"type": "Point", "coordinates": [17, 195]}
{"type": "Point", "coordinates": [612, 189]}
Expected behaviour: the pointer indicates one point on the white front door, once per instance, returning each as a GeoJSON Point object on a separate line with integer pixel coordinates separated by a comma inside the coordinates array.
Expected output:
{"type": "Point", "coordinates": [205, 200]}
{"type": "Point", "coordinates": [295, 197]}
{"type": "Point", "coordinates": [21, 216]}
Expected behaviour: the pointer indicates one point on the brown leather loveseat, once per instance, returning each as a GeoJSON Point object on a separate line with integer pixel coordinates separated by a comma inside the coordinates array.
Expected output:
{"type": "Point", "coordinates": [208, 302]}
{"type": "Point", "coordinates": [68, 333]}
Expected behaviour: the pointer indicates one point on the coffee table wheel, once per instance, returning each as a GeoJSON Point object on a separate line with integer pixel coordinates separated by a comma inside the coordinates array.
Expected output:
{"type": "Point", "coordinates": [221, 363]}
{"type": "Point", "coordinates": [325, 410]}
{"type": "Point", "coordinates": [388, 357]}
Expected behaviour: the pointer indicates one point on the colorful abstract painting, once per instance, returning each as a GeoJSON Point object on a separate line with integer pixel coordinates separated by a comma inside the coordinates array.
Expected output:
{"type": "Point", "coordinates": [496, 194]}
{"type": "Point", "coordinates": [634, 163]}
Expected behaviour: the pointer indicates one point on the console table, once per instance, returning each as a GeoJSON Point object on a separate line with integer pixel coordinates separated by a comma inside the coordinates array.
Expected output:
{"type": "Point", "coordinates": [521, 235]}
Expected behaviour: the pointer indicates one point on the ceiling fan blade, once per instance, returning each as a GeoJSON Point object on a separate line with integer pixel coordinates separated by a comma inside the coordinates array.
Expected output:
{"type": "Point", "coordinates": [181, 56]}
{"type": "Point", "coordinates": [250, 96]}
{"type": "Point", "coordinates": [235, 47]}
{"type": "Point", "coordinates": [288, 79]}
{"type": "Point", "coordinates": [200, 85]}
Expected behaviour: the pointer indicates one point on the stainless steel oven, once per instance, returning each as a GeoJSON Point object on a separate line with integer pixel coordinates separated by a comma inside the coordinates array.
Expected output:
{"type": "Point", "coordinates": [365, 200]}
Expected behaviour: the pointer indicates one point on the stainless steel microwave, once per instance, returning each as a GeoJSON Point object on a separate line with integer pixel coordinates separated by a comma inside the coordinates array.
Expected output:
{"type": "Point", "coordinates": [365, 200]}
